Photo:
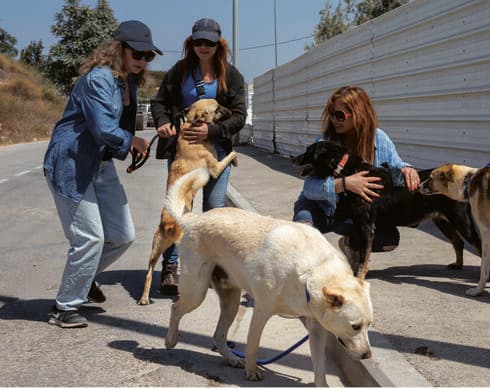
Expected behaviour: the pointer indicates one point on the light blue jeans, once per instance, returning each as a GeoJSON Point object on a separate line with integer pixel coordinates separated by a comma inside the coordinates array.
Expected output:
{"type": "Point", "coordinates": [99, 229]}
{"type": "Point", "coordinates": [213, 196]}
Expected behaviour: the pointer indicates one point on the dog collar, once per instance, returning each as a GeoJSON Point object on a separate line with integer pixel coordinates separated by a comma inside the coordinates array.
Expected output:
{"type": "Point", "coordinates": [341, 165]}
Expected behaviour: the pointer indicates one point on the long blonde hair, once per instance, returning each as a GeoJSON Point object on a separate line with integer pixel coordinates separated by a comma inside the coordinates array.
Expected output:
{"type": "Point", "coordinates": [191, 61]}
{"type": "Point", "coordinates": [109, 53]}
{"type": "Point", "coordinates": [364, 116]}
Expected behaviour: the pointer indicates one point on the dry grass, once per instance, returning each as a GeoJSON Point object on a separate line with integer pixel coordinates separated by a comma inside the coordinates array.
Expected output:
{"type": "Point", "coordinates": [29, 104]}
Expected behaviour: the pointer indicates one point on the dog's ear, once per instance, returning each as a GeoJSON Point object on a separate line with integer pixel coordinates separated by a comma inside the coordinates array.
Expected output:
{"type": "Point", "coordinates": [334, 299]}
{"type": "Point", "coordinates": [447, 174]}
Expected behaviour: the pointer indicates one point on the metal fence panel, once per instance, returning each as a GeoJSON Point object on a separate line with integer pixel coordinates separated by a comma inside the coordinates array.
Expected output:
{"type": "Point", "coordinates": [426, 66]}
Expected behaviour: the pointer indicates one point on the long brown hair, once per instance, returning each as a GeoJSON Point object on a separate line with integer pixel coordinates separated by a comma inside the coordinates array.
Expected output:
{"type": "Point", "coordinates": [109, 53]}
{"type": "Point", "coordinates": [364, 116]}
{"type": "Point", "coordinates": [220, 62]}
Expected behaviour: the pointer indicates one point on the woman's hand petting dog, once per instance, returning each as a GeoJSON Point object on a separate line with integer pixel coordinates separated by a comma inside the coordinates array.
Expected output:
{"type": "Point", "coordinates": [198, 132]}
{"type": "Point", "coordinates": [363, 185]}
{"type": "Point", "coordinates": [412, 178]}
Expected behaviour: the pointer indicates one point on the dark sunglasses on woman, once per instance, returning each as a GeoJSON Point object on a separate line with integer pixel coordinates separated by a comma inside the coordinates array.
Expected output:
{"type": "Point", "coordinates": [137, 55]}
{"type": "Point", "coordinates": [340, 115]}
{"type": "Point", "coordinates": [204, 42]}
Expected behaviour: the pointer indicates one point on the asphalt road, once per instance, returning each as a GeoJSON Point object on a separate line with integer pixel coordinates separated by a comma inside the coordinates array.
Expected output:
{"type": "Point", "coordinates": [124, 342]}
{"type": "Point", "coordinates": [420, 307]}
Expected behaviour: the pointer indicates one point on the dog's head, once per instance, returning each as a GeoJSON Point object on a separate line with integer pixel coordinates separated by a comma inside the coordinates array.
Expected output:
{"type": "Point", "coordinates": [448, 179]}
{"type": "Point", "coordinates": [343, 306]}
{"type": "Point", "coordinates": [320, 159]}
{"type": "Point", "coordinates": [206, 111]}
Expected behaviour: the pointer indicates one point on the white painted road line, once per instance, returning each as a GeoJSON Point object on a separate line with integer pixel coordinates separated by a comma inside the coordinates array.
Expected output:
{"type": "Point", "coordinates": [3, 180]}
{"type": "Point", "coordinates": [22, 173]}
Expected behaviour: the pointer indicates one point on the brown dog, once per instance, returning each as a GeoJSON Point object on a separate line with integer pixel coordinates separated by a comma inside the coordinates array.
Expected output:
{"type": "Point", "coordinates": [467, 184]}
{"type": "Point", "coordinates": [187, 158]}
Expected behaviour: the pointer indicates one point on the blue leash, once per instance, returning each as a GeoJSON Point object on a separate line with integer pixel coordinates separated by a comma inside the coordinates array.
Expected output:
{"type": "Point", "coordinates": [231, 345]}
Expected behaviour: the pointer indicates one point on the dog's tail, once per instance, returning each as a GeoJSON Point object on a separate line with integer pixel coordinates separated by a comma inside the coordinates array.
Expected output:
{"type": "Point", "coordinates": [185, 187]}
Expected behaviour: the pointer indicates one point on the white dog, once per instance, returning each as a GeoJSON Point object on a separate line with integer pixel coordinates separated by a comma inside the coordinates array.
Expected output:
{"type": "Point", "coordinates": [288, 268]}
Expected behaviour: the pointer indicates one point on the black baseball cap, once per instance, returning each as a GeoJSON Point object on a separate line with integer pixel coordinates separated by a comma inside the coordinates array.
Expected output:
{"type": "Point", "coordinates": [137, 35]}
{"type": "Point", "coordinates": [206, 29]}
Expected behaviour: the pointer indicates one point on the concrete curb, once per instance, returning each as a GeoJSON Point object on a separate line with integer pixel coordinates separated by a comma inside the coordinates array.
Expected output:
{"type": "Point", "coordinates": [387, 368]}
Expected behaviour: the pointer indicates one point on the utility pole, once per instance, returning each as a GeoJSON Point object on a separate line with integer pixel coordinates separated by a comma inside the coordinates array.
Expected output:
{"type": "Point", "coordinates": [235, 33]}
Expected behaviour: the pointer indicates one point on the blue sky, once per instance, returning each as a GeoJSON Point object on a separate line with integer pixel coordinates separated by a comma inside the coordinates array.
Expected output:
{"type": "Point", "coordinates": [171, 22]}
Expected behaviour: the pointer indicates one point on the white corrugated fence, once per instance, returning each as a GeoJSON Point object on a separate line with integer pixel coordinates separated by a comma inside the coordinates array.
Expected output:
{"type": "Point", "coordinates": [426, 66]}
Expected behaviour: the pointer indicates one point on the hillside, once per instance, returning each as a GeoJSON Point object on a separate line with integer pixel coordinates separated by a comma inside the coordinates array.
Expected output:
{"type": "Point", "coordinates": [29, 104]}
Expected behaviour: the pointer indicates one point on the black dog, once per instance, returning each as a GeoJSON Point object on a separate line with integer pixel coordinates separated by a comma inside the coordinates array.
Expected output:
{"type": "Point", "coordinates": [397, 206]}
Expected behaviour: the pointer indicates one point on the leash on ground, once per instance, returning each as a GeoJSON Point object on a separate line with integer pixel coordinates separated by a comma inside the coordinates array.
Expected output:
{"type": "Point", "coordinates": [138, 159]}
{"type": "Point", "coordinates": [231, 345]}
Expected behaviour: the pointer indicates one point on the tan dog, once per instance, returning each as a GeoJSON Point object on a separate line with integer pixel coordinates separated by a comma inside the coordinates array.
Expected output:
{"type": "Point", "coordinates": [187, 158]}
{"type": "Point", "coordinates": [467, 184]}
{"type": "Point", "coordinates": [288, 268]}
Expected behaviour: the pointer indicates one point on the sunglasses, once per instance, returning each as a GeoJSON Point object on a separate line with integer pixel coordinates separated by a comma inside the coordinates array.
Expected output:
{"type": "Point", "coordinates": [340, 115]}
{"type": "Point", "coordinates": [137, 55]}
{"type": "Point", "coordinates": [204, 42]}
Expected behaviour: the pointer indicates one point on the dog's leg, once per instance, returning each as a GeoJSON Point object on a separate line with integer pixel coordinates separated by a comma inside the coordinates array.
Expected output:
{"type": "Point", "coordinates": [166, 234]}
{"type": "Point", "coordinates": [451, 233]}
{"type": "Point", "coordinates": [367, 236]}
{"type": "Point", "coordinates": [485, 266]}
{"type": "Point", "coordinates": [145, 296]}
{"type": "Point", "coordinates": [318, 349]}
{"type": "Point", "coordinates": [229, 300]}
{"type": "Point", "coordinates": [193, 286]}
{"type": "Point", "coordinates": [216, 168]}
{"type": "Point", "coordinates": [257, 324]}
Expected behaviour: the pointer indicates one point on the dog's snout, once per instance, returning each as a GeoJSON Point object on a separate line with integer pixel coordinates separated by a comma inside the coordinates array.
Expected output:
{"type": "Point", "coordinates": [367, 355]}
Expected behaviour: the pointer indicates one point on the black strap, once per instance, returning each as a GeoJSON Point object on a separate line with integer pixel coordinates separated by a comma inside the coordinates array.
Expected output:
{"type": "Point", "coordinates": [201, 92]}
{"type": "Point", "coordinates": [138, 159]}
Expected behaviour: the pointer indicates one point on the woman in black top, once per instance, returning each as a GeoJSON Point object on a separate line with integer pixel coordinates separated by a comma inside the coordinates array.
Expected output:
{"type": "Point", "coordinates": [203, 73]}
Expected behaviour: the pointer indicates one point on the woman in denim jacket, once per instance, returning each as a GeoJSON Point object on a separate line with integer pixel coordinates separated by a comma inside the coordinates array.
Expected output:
{"type": "Point", "coordinates": [349, 119]}
{"type": "Point", "coordinates": [203, 73]}
{"type": "Point", "coordinates": [98, 124]}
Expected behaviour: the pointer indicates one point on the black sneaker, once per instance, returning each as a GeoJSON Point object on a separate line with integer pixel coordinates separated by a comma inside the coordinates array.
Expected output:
{"type": "Point", "coordinates": [95, 294]}
{"type": "Point", "coordinates": [67, 319]}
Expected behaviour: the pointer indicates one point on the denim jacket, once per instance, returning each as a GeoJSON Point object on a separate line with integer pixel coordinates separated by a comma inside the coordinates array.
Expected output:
{"type": "Point", "coordinates": [315, 188]}
{"type": "Point", "coordinates": [88, 130]}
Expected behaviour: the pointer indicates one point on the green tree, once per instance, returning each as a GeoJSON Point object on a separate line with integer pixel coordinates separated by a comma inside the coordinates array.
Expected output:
{"type": "Point", "coordinates": [348, 14]}
{"type": "Point", "coordinates": [79, 29]}
{"type": "Point", "coordinates": [33, 55]}
{"type": "Point", "coordinates": [7, 44]}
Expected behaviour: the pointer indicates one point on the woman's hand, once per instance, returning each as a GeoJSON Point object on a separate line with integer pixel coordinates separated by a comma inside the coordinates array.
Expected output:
{"type": "Point", "coordinates": [140, 145]}
{"type": "Point", "coordinates": [197, 133]}
{"type": "Point", "coordinates": [363, 185]}
{"type": "Point", "coordinates": [412, 178]}
{"type": "Point", "coordinates": [166, 130]}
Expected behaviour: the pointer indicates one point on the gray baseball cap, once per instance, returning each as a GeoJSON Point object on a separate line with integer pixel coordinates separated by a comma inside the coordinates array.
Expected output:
{"type": "Point", "coordinates": [137, 35]}
{"type": "Point", "coordinates": [206, 29]}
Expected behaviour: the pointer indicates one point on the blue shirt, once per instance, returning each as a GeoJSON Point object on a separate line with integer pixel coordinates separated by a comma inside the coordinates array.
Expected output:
{"type": "Point", "coordinates": [89, 127]}
{"type": "Point", "coordinates": [189, 91]}
{"type": "Point", "coordinates": [315, 188]}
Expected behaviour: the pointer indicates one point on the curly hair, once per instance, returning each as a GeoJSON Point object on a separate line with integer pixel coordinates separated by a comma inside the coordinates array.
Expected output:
{"type": "Point", "coordinates": [364, 116]}
{"type": "Point", "coordinates": [109, 53]}
{"type": "Point", "coordinates": [191, 61]}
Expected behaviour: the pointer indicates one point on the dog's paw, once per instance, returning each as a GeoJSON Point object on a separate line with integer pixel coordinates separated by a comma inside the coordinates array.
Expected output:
{"type": "Point", "coordinates": [473, 292]}
{"type": "Point", "coordinates": [234, 361]}
{"type": "Point", "coordinates": [253, 374]}
{"type": "Point", "coordinates": [144, 301]}
{"type": "Point", "coordinates": [170, 342]}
